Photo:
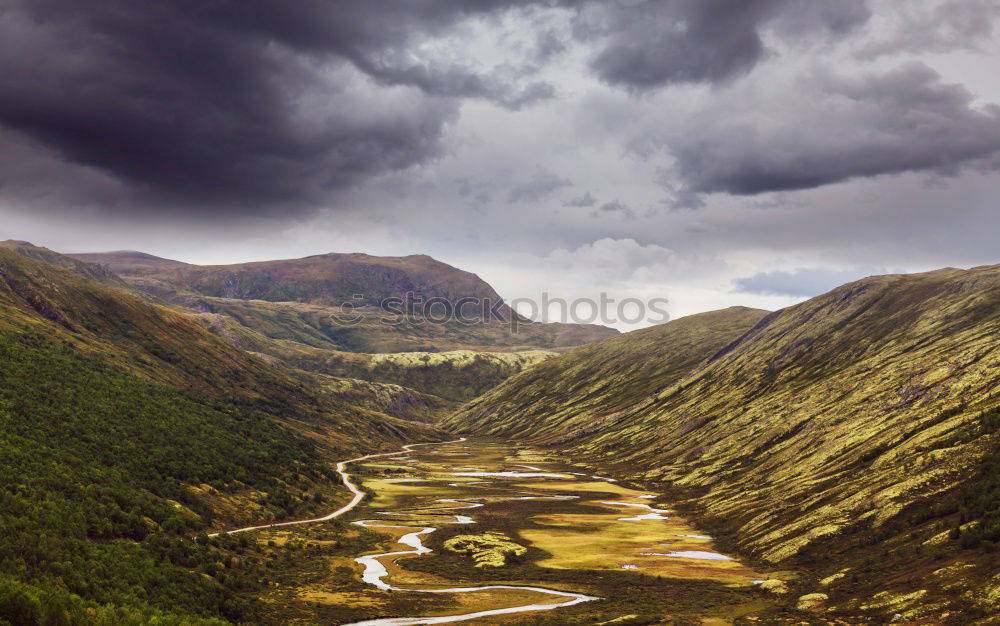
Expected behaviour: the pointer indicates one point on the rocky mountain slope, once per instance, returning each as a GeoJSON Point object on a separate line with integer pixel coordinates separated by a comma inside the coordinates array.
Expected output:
{"type": "Point", "coordinates": [853, 436]}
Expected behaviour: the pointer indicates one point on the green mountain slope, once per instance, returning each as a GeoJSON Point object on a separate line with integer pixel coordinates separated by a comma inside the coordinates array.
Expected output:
{"type": "Point", "coordinates": [329, 279]}
{"type": "Point", "coordinates": [124, 427]}
{"type": "Point", "coordinates": [294, 311]}
{"type": "Point", "coordinates": [574, 394]}
{"type": "Point", "coordinates": [86, 269]}
{"type": "Point", "coordinates": [388, 399]}
{"type": "Point", "coordinates": [301, 300]}
{"type": "Point", "coordinates": [856, 431]}
{"type": "Point", "coordinates": [455, 375]}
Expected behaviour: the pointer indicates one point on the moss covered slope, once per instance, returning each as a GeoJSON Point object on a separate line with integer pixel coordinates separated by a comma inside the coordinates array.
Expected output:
{"type": "Point", "coordinates": [856, 423]}
{"type": "Point", "coordinates": [572, 395]}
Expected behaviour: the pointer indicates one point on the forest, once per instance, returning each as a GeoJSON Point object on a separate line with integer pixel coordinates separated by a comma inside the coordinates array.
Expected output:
{"type": "Point", "coordinates": [97, 520]}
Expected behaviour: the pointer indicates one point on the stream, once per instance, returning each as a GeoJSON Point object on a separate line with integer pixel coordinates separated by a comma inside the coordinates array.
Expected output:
{"type": "Point", "coordinates": [594, 524]}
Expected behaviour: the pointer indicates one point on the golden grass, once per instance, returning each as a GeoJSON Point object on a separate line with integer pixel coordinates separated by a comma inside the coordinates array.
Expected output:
{"type": "Point", "coordinates": [602, 542]}
{"type": "Point", "coordinates": [586, 541]}
{"type": "Point", "coordinates": [488, 549]}
{"type": "Point", "coordinates": [338, 598]}
{"type": "Point", "coordinates": [485, 600]}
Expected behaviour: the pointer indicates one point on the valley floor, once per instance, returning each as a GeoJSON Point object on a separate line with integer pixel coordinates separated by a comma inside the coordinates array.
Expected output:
{"type": "Point", "coordinates": [554, 544]}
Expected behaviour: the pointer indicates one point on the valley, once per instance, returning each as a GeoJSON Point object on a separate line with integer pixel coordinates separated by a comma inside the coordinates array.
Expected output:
{"type": "Point", "coordinates": [500, 313]}
{"type": "Point", "coordinates": [192, 458]}
{"type": "Point", "coordinates": [488, 532]}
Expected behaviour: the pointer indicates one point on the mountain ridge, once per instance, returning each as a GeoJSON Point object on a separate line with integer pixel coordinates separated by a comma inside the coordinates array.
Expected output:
{"type": "Point", "coordinates": [303, 299]}
{"type": "Point", "coordinates": [421, 273]}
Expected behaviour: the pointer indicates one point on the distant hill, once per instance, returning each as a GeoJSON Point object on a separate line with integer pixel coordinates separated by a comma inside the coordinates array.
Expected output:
{"type": "Point", "coordinates": [856, 435]}
{"type": "Point", "coordinates": [291, 310]}
{"type": "Point", "coordinates": [325, 279]}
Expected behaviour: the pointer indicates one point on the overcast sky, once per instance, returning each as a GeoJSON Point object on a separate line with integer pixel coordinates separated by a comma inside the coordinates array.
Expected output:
{"type": "Point", "coordinates": [712, 152]}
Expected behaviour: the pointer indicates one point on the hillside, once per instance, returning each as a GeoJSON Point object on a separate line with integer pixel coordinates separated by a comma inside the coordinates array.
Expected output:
{"type": "Point", "coordinates": [853, 436]}
{"type": "Point", "coordinates": [388, 399]}
{"type": "Point", "coordinates": [379, 331]}
{"type": "Point", "coordinates": [86, 269]}
{"type": "Point", "coordinates": [292, 311]}
{"type": "Point", "coordinates": [572, 394]}
{"type": "Point", "coordinates": [126, 428]}
{"type": "Point", "coordinates": [455, 375]}
{"type": "Point", "coordinates": [327, 281]}
{"type": "Point", "coordinates": [458, 376]}
{"type": "Point", "coordinates": [301, 300]}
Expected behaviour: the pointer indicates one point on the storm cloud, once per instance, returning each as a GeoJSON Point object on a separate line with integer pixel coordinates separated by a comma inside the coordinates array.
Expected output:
{"type": "Point", "coordinates": [473, 108]}
{"type": "Point", "coordinates": [649, 43]}
{"type": "Point", "coordinates": [232, 107]}
{"type": "Point", "coordinates": [833, 129]}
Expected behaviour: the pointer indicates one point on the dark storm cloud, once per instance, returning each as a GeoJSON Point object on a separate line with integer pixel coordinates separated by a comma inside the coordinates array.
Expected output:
{"type": "Point", "coordinates": [647, 44]}
{"type": "Point", "coordinates": [237, 107]}
{"type": "Point", "coordinates": [836, 129]}
{"type": "Point", "coordinates": [459, 83]}
{"type": "Point", "coordinates": [264, 107]}
{"type": "Point", "coordinates": [800, 282]}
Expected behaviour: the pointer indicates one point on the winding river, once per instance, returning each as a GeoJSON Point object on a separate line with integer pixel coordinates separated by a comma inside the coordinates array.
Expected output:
{"type": "Point", "coordinates": [375, 571]}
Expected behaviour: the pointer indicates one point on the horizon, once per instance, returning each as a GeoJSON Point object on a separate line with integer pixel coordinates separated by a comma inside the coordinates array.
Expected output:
{"type": "Point", "coordinates": [533, 298]}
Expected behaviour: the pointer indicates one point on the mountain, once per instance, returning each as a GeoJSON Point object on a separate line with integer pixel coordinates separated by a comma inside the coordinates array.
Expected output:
{"type": "Point", "coordinates": [854, 438]}
{"type": "Point", "coordinates": [126, 428]}
{"type": "Point", "coordinates": [303, 300]}
{"type": "Point", "coordinates": [87, 269]}
{"type": "Point", "coordinates": [375, 330]}
{"type": "Point", "coordinates": [293, 311]}
{"type": "Point", "coordinates": [458, 375]}
{"type": "Point", "coordinates": [571, 395]}
{"type": "Point", "coordinates": [325, 279]}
